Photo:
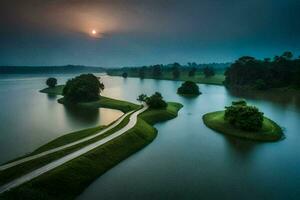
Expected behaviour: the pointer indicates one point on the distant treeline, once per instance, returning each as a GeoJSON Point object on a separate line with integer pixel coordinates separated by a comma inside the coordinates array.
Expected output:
{"type": "Point", "coordinates": [171, 66]}
{"type": "Point", "coordinates": [49, 69]}
{"type": "Point", "coordinates": [281, 71]}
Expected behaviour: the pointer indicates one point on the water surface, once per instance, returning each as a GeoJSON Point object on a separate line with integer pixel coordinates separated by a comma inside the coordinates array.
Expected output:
{"type": "Point", "coordinates": [186, 160]}
{"type": "Point", "coordinates": [189, 161]}
{"type": "Point", "coordinates": [29, 119]}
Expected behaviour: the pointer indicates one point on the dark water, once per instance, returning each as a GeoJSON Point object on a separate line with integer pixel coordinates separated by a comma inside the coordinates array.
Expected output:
{"type": "Point", "coordinates": [189, 161]}
{"type": "Point", "coordinates": [29, 118]}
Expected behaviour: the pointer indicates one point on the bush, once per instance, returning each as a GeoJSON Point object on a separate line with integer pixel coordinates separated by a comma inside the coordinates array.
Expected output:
{"type": "Point", "coordinates": [125, 74]}
{"type": "Point", "coordinates": [83, 88]}
{"type": "Point", "coordinates": [188, 87]}
{"type": "Point", "coordinates": [245, 117]}
{"type": "Point", "coordinates": [142, 97]}
{"type": "Point", "coordinates": [51, 82]}
{"type": "Point", "coordinates": [241, 102]}
{"type": "Point", "coordinates": [156, 101]}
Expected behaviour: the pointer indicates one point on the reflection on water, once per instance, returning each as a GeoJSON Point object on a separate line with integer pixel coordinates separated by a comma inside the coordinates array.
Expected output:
{"type": "Point", "coordinates": [29, 118]}
{"type": "Point", "coordinates": [288, 99]}
{"type": "Point", "coordinates": [76, 114]}
{"type": "Point", "coordinates": [186, 160]}
{"type": "Point", "coordinates": [51, 96]}
{"type": "Point", "coordinates": [189, 161]}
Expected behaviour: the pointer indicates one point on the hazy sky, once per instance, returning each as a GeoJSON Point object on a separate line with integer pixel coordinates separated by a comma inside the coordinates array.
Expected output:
{"type": "Point", "coordinates": [138, 32]}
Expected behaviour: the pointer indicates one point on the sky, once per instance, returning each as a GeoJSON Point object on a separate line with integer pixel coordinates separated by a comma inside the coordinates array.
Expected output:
{"type": "Point", "coordinates": [143, 32]}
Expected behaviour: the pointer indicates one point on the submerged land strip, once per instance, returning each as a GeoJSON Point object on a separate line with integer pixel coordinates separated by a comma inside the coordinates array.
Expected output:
{"type": "Point", "coordinates": [61, 161]}
{"type": "Point", "coordinates": [63, 168]}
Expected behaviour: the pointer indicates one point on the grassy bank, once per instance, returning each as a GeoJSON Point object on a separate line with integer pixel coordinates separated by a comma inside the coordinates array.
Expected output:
{"type": "Point", "coordinates": [198, 78]}
{"type": "Point", "coordinates": [57, 90]}
{"type": "Point", "coordinates": [103, 102]}
{"type": "Point", "coordinates": [17, 171]}
{"type": "Point", "coordinates": [153, 116]}
{"type": "Point", "coordinates": [69, 180]}
{"type": "Point", "coordinates": [269, 132]}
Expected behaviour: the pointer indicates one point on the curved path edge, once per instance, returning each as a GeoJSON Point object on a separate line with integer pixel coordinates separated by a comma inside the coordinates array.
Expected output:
{"type": "Point", "coordinates": [29, 158]}
{"type": "Point", "coordinates": [46, 168]}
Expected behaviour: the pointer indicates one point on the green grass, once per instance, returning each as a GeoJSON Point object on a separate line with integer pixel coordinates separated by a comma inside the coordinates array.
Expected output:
{"type": "Point", "coordinates": [153, 116]}
{"type": "Point", "coordinates": [106, 102]}
{"type": "Point", "coordinates": [269, 132]}
{"type": "Point", "coordinates": [69, 180]}
{"type": "Point", "coordinates": [26, 167]}
{"type": "Point", "coordinates": [198, 78]}
{"type": "Point", "coordinates": [57, 90]}
{"type": "Point", "coordinates": [103, 102]}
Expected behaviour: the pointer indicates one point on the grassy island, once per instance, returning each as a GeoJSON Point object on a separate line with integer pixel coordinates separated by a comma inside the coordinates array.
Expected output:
{"type": "Point", "coordinates": [57, 90]}
{"type": "Point", "coordinates": [104, 102]}
{"type": "Point", "coordinates": [189, 88]}
{"type": "Point", "coordinates": [70, 179]}
{"type": "Point", "coordinates": [270, 131]}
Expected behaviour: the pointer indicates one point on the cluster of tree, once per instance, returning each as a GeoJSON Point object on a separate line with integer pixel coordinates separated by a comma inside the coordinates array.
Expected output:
{"type": "Point", "coordinates": [125, 74]}
{"type": "Point", "coordinates": [189, 88]}
{"type": "Point", "coordinates": [51, 82]}
{"type": "Point", "coordinates": [244, 117]}
{"type": "Point", "coordinates": [83, 88]}
{"type": "Point", "coordinates": [176, 69]}
{"type": "Point", "coordinates": [155, 101]}
{"type": "Point", "coordinates": [281, 71]}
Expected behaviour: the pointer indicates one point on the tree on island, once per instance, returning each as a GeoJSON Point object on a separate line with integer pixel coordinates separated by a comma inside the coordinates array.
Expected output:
{"type": "Point", "coordinates": [142, 97]}
{"type": "Point", "coordinates": [83, 88]}
{"type": "Point", "coordinates": [208, 72]}
{"type": "Point", "coordinates": [155, 101]}
{"type": "Point", "coordinates": [189, 88]}
{"type": "Point", "coordinates": [125, 74]}
{"type": "Point", "coordinates": [51, 82]}
{"type": "Point", "coordinates": [175, 70]}
{"type": "Point", "coordinates": [244, 117]}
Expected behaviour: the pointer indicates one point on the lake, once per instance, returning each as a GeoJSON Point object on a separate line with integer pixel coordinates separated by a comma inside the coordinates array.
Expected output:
{"type": "Point", "coordinates": [29, 119]}
{"type": "Point", "coordinates": [186, 160]}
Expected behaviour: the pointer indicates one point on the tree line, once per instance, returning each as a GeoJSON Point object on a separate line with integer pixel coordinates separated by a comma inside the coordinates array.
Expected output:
{"type": "Point", "coordinates": [176, 69]}
{"type": "Point", "coordinates": [281, 71]}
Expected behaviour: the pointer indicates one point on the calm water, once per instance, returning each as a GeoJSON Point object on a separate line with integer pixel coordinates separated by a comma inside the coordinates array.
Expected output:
{"type": "Point", "coordinates": [189, 161]}
{"type": "Point", "coordinates": [185, 161]}
{"type": "Point", "coordinates": [29, 119]}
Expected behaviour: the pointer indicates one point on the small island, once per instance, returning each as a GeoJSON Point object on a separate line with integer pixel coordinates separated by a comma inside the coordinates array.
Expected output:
{"type": "Point", "coordinates": [189, 88]}
{"type": "Point", "coordinates": [243, 121]}
{"type": "Point", "coordinates": [69, 180]}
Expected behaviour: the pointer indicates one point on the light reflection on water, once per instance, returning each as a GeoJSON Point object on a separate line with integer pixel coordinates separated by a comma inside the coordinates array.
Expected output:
{"type": "Point", "coordinates": [189, 161]}
{"type": "Point", "coordinates": [186, 160]}
{"type": "Point", "coordinates": [29, 118]}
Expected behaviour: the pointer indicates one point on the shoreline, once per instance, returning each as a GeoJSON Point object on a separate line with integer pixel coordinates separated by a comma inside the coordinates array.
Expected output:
{"type": "Point", "coordinates": [108, 154]}
{"type": "Point", "coordinates": [270, 132]}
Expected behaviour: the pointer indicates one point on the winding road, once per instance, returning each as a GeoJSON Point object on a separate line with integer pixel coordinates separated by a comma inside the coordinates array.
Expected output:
{"type": "Point", "coordinates": [46, 168]}
{"type": "Point", "coordinates": [29, 158]}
